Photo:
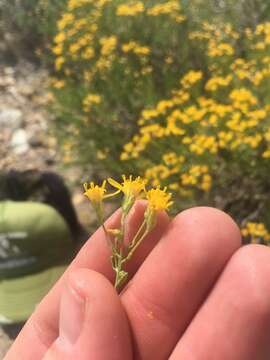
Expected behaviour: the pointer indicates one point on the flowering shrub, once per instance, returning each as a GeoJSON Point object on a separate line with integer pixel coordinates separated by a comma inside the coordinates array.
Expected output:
{"type": "Point", "coordinates": [112, 58]}
{"type": "Point", "coordinates": [139, 86]}
{"type": "Point", "coordinates": [213, 131]}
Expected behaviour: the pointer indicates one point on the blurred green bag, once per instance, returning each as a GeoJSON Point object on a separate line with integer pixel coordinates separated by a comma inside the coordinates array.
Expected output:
{"type": "Point", "coordinates": [35, 246]}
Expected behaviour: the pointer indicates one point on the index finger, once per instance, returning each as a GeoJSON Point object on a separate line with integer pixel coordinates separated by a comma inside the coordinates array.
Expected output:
{"type": "Point", "coordinates": [42, 328]}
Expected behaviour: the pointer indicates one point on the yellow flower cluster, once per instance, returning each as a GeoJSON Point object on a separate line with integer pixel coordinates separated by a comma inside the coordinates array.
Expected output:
{"type": "Point", "coordinates": [66, 20]}
{"type": "Point", "coordinates": [89, 100]}
{"type": "Point", "coordinates": [243, 95]}
{"type": "Point", "coordinates": [220, 40]}
{"type": "Point", "coordinates": [171, 166]}
{"type": "Point", "coordinates": [171, 159]}
{"type": "Point", "coordinates": [171, 8]}
{"type": "Point", "coordinates": [262, 36]}
{"type": "Point", "coordinates": [221, 49]}
{"type": "Point", "coordinates": [57, 84]}
{"type": "Point", "coordinates": [201, 143]}
{"type": "Point", "coordinates": [75, 40]}
{"type": "Point", "coordinates": [255, 232]}
{"type": "Point", "coordinates": [164, 8]}
{"type": "Point", "coordinates": [232, 120]}
{"type": "Point", "coordinates": [59, 63]}
{"type": "Point", "coordinates": [79, 41]}
{"type": "Point", "coordinates": [107, 56]}
{"type": "Point", "coordinates": [132, 189]}
{"type": "Point", "coordinates": [75, 4]}
{"type": "Point", "coordinates": [197, 175]}
{"type": "Point", "coordinates": [136, 48]}
{"type": "Point", "coordinates": [218, 81]}
{"type": "Point", "coordinates": [108, 45]}
{"type": "Point", "coordinates": [191, 78]}
{"type": "Point", "coordinates": [266, 153]}
{"type": "Point", "coordinates": [131, 9]}
{"type": "Point", "coordinates": [240, 117]}
{"type": "Point", "coordinates": [242, 68]}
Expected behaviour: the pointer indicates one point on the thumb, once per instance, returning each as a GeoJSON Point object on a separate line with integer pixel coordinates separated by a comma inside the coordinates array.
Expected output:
{"type": "Point", "coordinates": [92, 321]}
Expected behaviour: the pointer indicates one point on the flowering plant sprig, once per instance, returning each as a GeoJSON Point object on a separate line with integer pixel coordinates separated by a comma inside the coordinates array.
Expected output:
{"type": "Point", "coordinates": [132, 189]}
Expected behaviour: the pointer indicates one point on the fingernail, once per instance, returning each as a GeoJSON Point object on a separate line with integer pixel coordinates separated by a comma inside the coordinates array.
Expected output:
{"type": "Point", "coordinates": [71, 317]}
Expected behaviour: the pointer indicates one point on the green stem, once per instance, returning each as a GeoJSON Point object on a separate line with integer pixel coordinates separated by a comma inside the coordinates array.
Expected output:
{"type": "Point", "coordinates": [132, 244]}
{"type": "Point", "coordinates": [130, 254]}
{"type": "Point", "coordinates": [108, 238]}
{"type": "Point", "coordinates": [123, 231]}
{"type": "Point", "coordinates": [120, 278]}
{"type": "Point", "coordinates": [118, 256]}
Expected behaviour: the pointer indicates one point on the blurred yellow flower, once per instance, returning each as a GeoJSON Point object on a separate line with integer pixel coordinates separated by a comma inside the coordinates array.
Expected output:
{"type": "Point", "coordinates": [131, 9]}
{"type": "Point", "coordinates": [95, 193]}
{"type": "Point", "coordinates": [159, 199]}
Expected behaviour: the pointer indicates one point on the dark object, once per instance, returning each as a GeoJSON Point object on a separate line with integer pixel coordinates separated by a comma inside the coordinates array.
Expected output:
{"type": "Point", "coordinates": [12, 330]}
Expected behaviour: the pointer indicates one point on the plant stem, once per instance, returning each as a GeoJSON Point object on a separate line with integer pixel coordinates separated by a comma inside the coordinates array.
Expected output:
{"type": "Point", "coordinates": [132, 244]}
{"type": "Point", "coordinates": [130, 254]}
{"type": "Point", "coordinates": [118, 256]}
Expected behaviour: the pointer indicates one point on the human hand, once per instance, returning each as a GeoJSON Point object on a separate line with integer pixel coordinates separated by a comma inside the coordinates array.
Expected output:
{"type": "Point", "coordinates": [194, 294]}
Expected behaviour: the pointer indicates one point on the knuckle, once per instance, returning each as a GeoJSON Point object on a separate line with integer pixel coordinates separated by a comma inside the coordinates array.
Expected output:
{"type": "Point", "coordinates": [45, 332]}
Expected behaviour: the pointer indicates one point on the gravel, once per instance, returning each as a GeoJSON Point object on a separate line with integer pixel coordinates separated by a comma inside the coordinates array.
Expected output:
{"type": "Point", "coordinates": [5, 343]}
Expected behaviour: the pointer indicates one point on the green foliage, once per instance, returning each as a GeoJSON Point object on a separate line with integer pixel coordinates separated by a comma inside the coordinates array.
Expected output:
{"type": "Point", "coordinates": [28, 25]}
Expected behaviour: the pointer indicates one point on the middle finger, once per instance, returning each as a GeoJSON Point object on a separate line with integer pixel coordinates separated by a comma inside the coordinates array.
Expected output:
{"type": "Point", "coordinates": [173, 281]}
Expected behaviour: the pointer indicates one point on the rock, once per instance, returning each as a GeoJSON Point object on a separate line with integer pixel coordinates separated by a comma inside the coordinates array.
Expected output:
{"type": "Point", "coordinates": [9, 71]}
{"type": "Point", "coordinates": [49, 161]}
{"type": "Point", "coordinates": [5, 343]}
{"type": "Point", "coordinates": [37, 139]}
{"type": "Point", "coordinates": [19, 142]}
{"type": "Point", "coordinates": [25, 89]}
{"type": "Point", "coordinates": [11, 118]}
{"type": "Point", "coordinates": [6, 81]}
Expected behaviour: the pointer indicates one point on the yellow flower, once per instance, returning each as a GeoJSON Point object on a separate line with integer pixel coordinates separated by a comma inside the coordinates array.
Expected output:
{"type": "Point", "coordinates": [95, 193]}
{"type": "Point", "coordinates": [266, 154]}
{"type": "Point", "coordinates": [244, 232]}
{"type": "Point", "coordinates": [130, 188]}
{"type": "Point", "coordinates": [159, 199]}
{"type": "Point", "coordinates": [59, 63]}
{"type": "Point", "coordinates": [58, 84]}
{"type": "Point", "coordinates": [60, 37]}
{"type": "Point", "coordinates": [136, 48]}
{"type": "Point", "coordinates": [89, 100]}
{"type": "Point", "coordinates": [108, 45]}
{"type": "Point", "coordinates": [191, 78]}
{"type": "Point", "coordinates": [58, 49]}
{"type": "Point", "coordinates": [255, 231]}
{"type": "Point", "coordinates": [131, 9]}
{"type": "Point", "coordinates": [168, 7]}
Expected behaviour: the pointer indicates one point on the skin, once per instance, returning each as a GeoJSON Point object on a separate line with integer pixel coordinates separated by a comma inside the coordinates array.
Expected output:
{"type": "Point", "coordinates": [194, 293]}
